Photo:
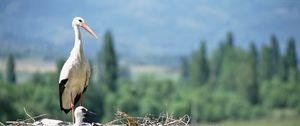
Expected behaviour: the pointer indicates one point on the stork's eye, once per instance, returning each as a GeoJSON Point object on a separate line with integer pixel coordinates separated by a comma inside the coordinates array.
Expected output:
{"type": "Point", "coordinates": [83, 110]}
{"type": "Point", "coordinates": [80, 20]}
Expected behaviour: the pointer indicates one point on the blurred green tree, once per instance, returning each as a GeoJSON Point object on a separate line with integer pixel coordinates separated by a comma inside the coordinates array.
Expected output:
{"type": "Point", "coordinates": [229, 39]}
{"type": "Point", "coordinates": [1, 78]}
{"type": "Point", "coordinates": [265, 65]}
{"type": "Point", "coordinates": [184, 69]}
{"type": "Point", "coordinates": [216, 62]}
{"type": "Point", "coordinates": [274, 56]}
{"type": "Point", "coordinates": [10, 69]}
{"type": "Point", "coordinates": [236, 72]}
{"type": "Point", "coordinates": [199, 66]}
{"type": "Point", "coordinates": [253, 90]}
{"type": "Point", "coordinates": [8, 110]}
{"type": "Point", "coordinates": [108, 62]}
{"type": "Point", "coordinates": [37, 78]}
{"type": "Point", "coordinates": [283, 69]}
{"type": "Point", "coordinates": [291, 58]}
{"type": "Point", "coordinates": [225, 52]}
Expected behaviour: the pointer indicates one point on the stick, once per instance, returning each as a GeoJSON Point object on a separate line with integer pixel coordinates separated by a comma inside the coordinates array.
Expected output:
{"type": "Point", "coordinates": [28, 115]}
{"type": "Point", "coordinates": [2, 124]}
{"type": "Point", "coordinates": [35, 117]}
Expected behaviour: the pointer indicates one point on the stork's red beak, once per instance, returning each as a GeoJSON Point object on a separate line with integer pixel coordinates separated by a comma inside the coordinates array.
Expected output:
{"type": "Point", "coordinates": [87, 28]}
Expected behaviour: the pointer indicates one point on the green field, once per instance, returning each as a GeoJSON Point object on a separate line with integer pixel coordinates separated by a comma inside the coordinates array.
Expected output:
{"type": "Point", "coordinates": [278, 117]}
{"type": "Point", "coordinates": [261, 122]}
{"type": "Point", "coordinates": [264, 122]}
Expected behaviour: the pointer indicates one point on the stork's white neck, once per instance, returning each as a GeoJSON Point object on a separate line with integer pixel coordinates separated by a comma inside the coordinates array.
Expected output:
{"type": "Point", "coordinates": [77, 32]}
{"type": "Point", "coordinates": [77, 49]}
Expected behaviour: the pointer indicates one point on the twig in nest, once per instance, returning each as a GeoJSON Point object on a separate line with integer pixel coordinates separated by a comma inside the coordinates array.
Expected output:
{"type": "Point", "coordinates": [186, 118]}
{"type": "Point", "coordinates": [35, 117]}
{"type": "Point", "coordinates": [113, 121]}
{"type": "Point", "coordinates": [32, 118]}
{"type": "Point", "coordinates": [28, 115]}
{"type": "Point", "coordinates": [2, 124]}
{"type": "Point", "coordinates": [163, 120]}
{"type": "Point", "coordinates": [130, 120]}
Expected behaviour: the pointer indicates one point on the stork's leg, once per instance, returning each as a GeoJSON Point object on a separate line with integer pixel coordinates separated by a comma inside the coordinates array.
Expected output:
{"type": "Point", "coordinates": [72, 106]}
{"type": "Point", "coordinates": [81, 99]}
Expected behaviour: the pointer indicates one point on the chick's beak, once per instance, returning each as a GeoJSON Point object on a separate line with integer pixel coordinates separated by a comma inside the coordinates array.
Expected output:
{"type": "Point", "coordinates": [89, 113]}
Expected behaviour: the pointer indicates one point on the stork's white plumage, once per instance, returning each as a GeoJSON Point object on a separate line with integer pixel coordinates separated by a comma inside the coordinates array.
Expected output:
{"type": "Point", "coordinates": [75, 74]}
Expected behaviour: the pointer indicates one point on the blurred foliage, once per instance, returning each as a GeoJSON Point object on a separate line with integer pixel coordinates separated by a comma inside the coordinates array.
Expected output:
{"type": "Point", "coordinates": [238, 84]}
{"type": "Point", "coordinates": [108, 63]}
{"type": "Point", "coordinates": [10, 69]}
{"type": "Point", "coordinates": [199, 69]}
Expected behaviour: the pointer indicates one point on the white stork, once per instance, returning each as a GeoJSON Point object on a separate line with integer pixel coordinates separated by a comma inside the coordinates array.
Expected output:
{"type": "Point", "coordinates": [75, 74]}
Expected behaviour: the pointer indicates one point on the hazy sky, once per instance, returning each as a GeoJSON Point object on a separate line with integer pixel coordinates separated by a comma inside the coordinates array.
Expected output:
{"type": "Point", "coordinates": [153, 26]}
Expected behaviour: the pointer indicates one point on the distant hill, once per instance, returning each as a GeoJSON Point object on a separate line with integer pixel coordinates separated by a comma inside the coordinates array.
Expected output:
{"type": "Point", "coordinates": [24, 47]}
{"type": "Point", "coordinates": [130, 53]}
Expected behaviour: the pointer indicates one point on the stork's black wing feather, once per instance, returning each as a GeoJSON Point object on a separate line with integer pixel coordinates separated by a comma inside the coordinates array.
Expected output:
{"type": "Point", "coordinates": [61, 90]}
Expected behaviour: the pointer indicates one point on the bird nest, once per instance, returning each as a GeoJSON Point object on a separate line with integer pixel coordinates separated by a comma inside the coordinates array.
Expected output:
{"type": "Point", "coordinates": [121, 119]}
{"type": "Point", "coordinates": [163, 120]}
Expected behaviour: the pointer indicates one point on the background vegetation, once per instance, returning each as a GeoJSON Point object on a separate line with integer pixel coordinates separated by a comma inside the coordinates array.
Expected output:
{"type": "Point", "coordinates": [231, 83]}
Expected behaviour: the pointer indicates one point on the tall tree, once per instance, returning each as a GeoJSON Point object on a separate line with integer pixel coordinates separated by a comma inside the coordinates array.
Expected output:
{"type": "Point", "coordinates": [265, 66]}
{"type": "Point", "coordinates": [275, 55]}
{"type": "Point", "coordinates": [229, 39]}
{"type": "Point", "coordinates": [184, 68]}
{"type": "Point", "coordinates": [200, 69]}
{"type": "Point", "coordinates": [217, 61]}
{"type": "Point", "coordinates": [291, 58]}
{"type": "Point", "coordinates": [1, 77]}
{"type": "Point", "coordinates": [283, 69]}
{"type": "Point", "coordinates": [108, 62]}
{"type": "Point", "coordinates": [10, 69]}
{"type": "Point", "coordinates": [253, 89]}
